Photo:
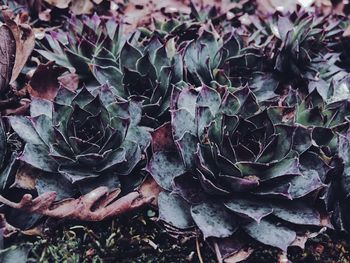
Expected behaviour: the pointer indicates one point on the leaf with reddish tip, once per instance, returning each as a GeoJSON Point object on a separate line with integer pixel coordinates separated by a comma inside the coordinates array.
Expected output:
{"type": "Point", "coordinates": [162, 139]}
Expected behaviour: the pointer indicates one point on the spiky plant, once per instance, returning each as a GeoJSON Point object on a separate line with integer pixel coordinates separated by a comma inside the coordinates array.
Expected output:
{"type": "Point", "coordinates": [85, 139]}
{"type": "Point", "coordinates": [83, 39]}
{"type": "Point", "coordinates": [299, 51]}
{"type": "Point", "coordinates": [226, 60]}
{"type": "Point", "coordinates": [229, 166]}
{"type": "Point", "coordinates": [144, 72]}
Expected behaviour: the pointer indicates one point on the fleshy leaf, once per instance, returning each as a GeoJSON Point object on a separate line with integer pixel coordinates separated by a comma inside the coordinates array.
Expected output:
{"type": "Point", "coordinates": [214, 220]}
{"type": "Point", "coordinates": [38, 156]}
{"type": "Point", "coordinates": [271, 234]}
{"type": "Point", "coordinates": [24, 128]}
{"type": "Point", "coordinates": [249, 207]}
{"type": "Point", "coordinates": [174, 210]}
{"type": "Point", "coordinates": [164, 167]}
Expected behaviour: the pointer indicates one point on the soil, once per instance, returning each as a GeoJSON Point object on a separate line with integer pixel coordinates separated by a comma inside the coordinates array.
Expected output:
{"type": "Point", "coordinates": [139, 238]}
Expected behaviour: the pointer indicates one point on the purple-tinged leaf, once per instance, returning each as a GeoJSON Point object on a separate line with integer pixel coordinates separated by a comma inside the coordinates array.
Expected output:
{"type": "Point", "coordinates": [24, 128]}
{"type": "Point", "coordinates": [214, 220]}
{"type": "Point", "coordinates": [237, 184]}
{"type": "Point", "coordinates": [46, 182]}
{"type": "Point", "coordinates": [188, 188]}
{"type": "Point", "coordinates": [38, 156]}
{"type": "Point", "coordinates": [187, 146]}
{"type": "Point", "coordinates": [305, 184]}
{"type": "Point", "coordinates": [297, 213]}
{"type": "Point", "coordinates": [182, 121]}
{"type": "Point", "coordinates": [209, 186]}
{"type": "Point", "coordinates": [210, 98]}
{"type": "Point", "coordinates": [164, 167]}
{"type": "Point", "coordinates": [40, 106]}
{"type": "Point", "coordinates": [228, 246]}
{"type": "Point", "coordinates": [230, 104]}
{"type": "Point", "coordinates": [187, 100]}
{"type": "Point", "coordinates": [283, 168]}
{"type": "Point", "coordinates": [302, 139]}
{"type": "Point", "coordinates": [162, 139]}
{"type": "Point", "coordinates": [271, 234]}
{"type": "Point", "coordinates": [250, 207]}
{"type": "Point", "coordinates": [129, 56]}
{"type": "Point", "coordinates": [174, 210]}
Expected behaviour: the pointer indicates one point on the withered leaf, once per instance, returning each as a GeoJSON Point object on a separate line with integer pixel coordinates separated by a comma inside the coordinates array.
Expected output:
{"type": "Point", "coordinates": [25, 41]}
{"type": "Point", "coordinates": [7, 55]}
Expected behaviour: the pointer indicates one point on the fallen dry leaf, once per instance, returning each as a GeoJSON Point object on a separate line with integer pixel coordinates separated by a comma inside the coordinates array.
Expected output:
{"type": "Point", "coordinates": [7, 56]}
{"type": "Point", "coordinates": [6, 230]}
{"type": "Point", "coordinates": [25, 41]}
{"type": "Point", "coordinates": [62, 4]}
{"type": "Point", "coordinates": [97, 205]}
{"type": "Point", "coordinates": [44, 82]}
{"type": "Point", "coordinates": [25, 177]}
{"type": "Point", "coordinates": [80, 7]}
{"type": "Point", "coordinates": [45, 15]}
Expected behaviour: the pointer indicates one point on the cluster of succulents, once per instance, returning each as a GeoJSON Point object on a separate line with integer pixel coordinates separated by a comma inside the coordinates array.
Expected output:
{"type": "Point", "coordinates": [243, 126]}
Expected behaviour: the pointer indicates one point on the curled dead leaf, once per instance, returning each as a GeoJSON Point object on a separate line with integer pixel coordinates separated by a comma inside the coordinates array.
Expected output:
{"type": "Point", "coordinates": [25, 41]}
{"type": "Point", "coordinates": [25, 177]}
{"type": "Point", "coordinates": [7, 55]}
{"type": "Point", "coordinates": [96, 205]}
{"type": "Point", "coordinates": [6, 230]}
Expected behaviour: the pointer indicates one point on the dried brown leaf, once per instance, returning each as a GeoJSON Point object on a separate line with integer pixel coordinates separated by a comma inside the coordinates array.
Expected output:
{"type": "Point", "coordinates": [44, 82]}
{"type": "Point", "coordinates": [80, 7]}
{"type": "Point", "coordinates": [25, 177]}
{"type": "Point", "coordinates": [97, 205]}
{"type": "Point", "coordinates": [7, 56]}
{"type": "Point", "coordinates": [25, 41]}
{"type": "Point", "coordinates": [62, 4]}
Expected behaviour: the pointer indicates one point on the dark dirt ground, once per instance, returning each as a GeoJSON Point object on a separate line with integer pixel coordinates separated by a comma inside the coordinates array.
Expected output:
{"type": "Point", "coordinates": [139, 238]}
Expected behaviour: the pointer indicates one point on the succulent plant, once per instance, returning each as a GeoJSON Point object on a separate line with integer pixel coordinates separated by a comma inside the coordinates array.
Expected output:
{"type": "Point", "coordinates": [89, 139]}
{"type": "Point", "coordinates": [226, 60]}
{"type": "Point", "coordinates": [144, 72]}
{"type": "Point", "coordinates": [82, 40]}
{"type": "Point", "coordinates": [228, 165]}
{"type": "Point", "coordinates": [299, 51]}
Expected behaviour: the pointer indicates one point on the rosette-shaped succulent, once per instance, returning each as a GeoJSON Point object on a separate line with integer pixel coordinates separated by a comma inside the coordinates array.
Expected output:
{"type": "Point", "coordinates": [229, 167]}
{"type": "Point", "coordinates": [299, 51]}
{"type": "Point", "coordinates": [82, 40]}
{"type": "Point", "coordinates": [89, 139]}
{"type": "Point", "coordinates": [144, 72]}
{"type": "Point", "coordinates": [227, 60]}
